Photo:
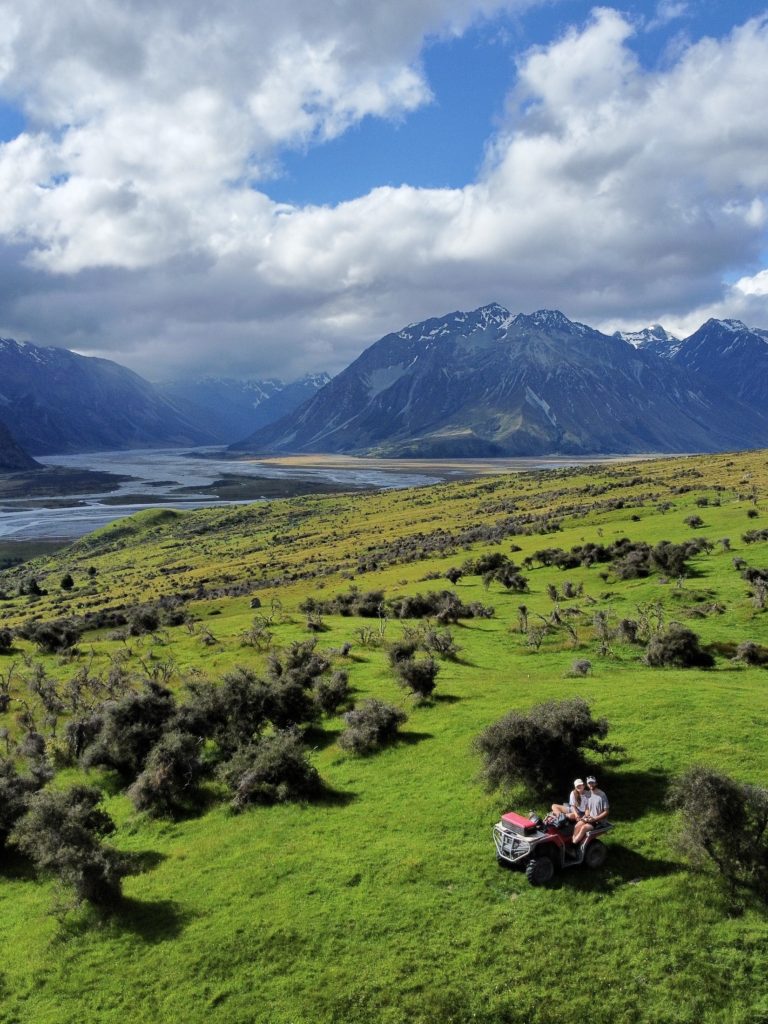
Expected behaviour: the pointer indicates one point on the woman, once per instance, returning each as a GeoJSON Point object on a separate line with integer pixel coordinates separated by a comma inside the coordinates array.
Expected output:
{"type": "Point", "coordinates": [577, 802]}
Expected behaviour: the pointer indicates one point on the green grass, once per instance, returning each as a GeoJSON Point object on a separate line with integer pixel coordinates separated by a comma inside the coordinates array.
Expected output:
{"type": "Point", "coordinates": [385, 902]}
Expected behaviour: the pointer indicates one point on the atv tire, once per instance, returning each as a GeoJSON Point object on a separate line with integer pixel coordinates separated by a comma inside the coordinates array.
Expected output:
{"type": "Point", "coordinates": [595, 854]}
{"type": "Point", "coordinates": [540, 870]}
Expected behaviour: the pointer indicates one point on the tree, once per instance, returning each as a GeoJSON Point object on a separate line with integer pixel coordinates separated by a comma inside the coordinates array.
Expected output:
{"type": "Point", "coordinates": [67, 583]}
{"type": "Point", "coordinates": [419, 675]}
{"type": "Point", "coordinates": [61, 833]}
{"type": "Point", "coordinates": [540, 748]}
{"type": "Point", "coordinates": [725, 822]}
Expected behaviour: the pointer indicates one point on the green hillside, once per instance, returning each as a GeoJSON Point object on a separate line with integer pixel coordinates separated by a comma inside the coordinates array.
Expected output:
{"type": "Point", "coordinates": [382, 901]}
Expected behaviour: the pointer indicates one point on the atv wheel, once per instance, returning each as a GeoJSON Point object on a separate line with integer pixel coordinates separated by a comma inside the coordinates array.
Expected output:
{"type": "Point", "coordinates": [595, 854]}
{"type": "Point", "coordinates": [539, 870]}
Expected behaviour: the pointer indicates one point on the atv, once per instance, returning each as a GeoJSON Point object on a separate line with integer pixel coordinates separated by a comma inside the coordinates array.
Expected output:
{"type": "Point", "coordinates": [543, 846]}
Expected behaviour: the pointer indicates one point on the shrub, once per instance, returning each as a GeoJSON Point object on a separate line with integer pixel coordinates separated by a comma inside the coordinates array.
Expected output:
{"type": "Point", "coordinates": [694, 522]}
{"type": "Point", "coordinates": [167, 785]}
{"type": "Point", "coordinates": [50, 637]}
{"type": "Point", "coordinates": [6, 640]}
{"type": "Point", "coordinates": [61, 833]}
{"type": "Point", "coordinates": [580, 668]}
{"type": "Point", "coordinates": [420, 676]}
{"type": "Point", "coordinates": [67, 583]}
{"type": "Point", "coordinates": [15, 791]}
{"type": "Point", "coordinates": [540, 748]}
{"type": "Point", "coordinates": [441, 643]}
{"type": "Point", "coordinates": [751, 653]}
{"type": "Point", "coordinates": [370, 726]}
{"type": "Point", "coordinates": [678, 647]}
{"type": "Point", "coordinates": [401, 650]}
{"type": "Point", "coordinates": [274, 770]}
{"type": "Point", "coordinates": [232, 713]}
{"type": "Point", "coordinates": [724, 821]}
{"type": "Point", "coordinates": [129, 728]}
{"type": "Point", "coordinates": [143, 619]}
{"type": "Point", "coordinates": [333, 693]}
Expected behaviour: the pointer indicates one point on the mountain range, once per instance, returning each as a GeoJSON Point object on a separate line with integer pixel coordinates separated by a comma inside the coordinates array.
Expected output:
{"type": "Point", "coordinates": [490, 383]}
{"type": "Point", "coordinates": [54, 401]}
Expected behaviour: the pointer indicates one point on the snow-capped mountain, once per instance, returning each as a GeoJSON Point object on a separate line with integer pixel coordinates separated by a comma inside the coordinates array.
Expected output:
{"type": "Point", "coordinates": [656, 337]}
{"type": "Point", "coordinates": [491, 383]}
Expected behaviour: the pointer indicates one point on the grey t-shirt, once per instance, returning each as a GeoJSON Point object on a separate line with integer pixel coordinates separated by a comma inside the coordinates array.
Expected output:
{"type": "Point", "coordinates": [597, 802]}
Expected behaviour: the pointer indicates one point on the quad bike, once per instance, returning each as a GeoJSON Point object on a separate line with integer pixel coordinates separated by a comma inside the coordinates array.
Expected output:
{"type": "Point", "coordinates": [542, 847]}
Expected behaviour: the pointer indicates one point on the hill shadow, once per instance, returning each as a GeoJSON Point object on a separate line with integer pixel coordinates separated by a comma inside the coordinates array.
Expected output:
{"type": "Point", "coordinates": [624, 866]}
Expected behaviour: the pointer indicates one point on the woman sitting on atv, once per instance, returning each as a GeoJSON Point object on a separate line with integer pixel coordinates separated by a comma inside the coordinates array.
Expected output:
{"type": "Point", "coordinates": [577, 802]}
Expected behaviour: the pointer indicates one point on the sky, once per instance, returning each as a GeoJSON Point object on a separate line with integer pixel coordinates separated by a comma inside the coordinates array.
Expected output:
{"type": "Point", "coordinates": [265, 189]}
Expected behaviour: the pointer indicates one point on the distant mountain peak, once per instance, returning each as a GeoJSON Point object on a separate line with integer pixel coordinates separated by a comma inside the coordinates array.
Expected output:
{"type": "Point", "coordinates": [735, 326]}
{"type": "Point", "coordinates": [655, 335]}
{"type": "Point", "coordinates": [549, 320]}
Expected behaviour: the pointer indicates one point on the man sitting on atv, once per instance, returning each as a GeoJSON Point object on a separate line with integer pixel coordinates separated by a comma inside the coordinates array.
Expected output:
{"type": "Point", "coordinates": [596, 811]}
{"type": "Point", "coordinates": [577, 802]}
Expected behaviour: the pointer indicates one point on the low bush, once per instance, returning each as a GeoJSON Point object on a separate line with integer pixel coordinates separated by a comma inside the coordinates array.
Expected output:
{"type": "Point", "coordinates": [15, 792]}
{"type": "Point", "coordinates": [61, 833]}
{"type": "Point", "coordinates": [128, 729]}
{"type": "Point", "coordinates": [539, 749]}
{"type": "Point", "coordinates": [274, 770]}
{"type": "Point", "coordinates": [418, 675]}
{"type": "Point", "coordinates": [51, 637]}
{"type": "Point", "coordinates": [168, 783]}
{"type": "Point", "coordinates": [724, 822]}
{"type": "Point", "coordinates": [370, 726]}
{"type": "Point", "coordinates": [332, 693]}
{"type": "Point", "coordinates": [678, 647]}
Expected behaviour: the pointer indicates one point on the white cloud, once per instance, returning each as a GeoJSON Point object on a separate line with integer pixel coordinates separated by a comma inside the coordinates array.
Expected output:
{"type": "Point", "coordinates": [612, 192]}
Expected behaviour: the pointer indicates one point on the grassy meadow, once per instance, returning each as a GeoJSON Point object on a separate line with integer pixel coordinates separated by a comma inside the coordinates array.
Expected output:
{"type": "Point", "coordinates": [383, 901]}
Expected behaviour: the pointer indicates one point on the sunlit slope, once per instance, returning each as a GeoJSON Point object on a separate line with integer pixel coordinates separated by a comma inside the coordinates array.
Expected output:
{"type": "Point", "coordinates": [385, 903]}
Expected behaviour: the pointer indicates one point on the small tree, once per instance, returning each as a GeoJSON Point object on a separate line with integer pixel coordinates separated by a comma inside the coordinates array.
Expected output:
{"type": "Point", "coordinates": [370, 726]}
{"type": "Point", "coordinates": [61, 833]}
{"type": "Point", "coordinates": [67, 583]}
{"type": "Point", "coordinates": [678, 647]}
{"type": "Point", "coordinates": [725, 822]}
{"type": "Point", "coordinates": [539, 748]}
{"type": "Point", "coordinates": [332, 693]}
{"type": "Point", "coordinates": [15, 792]}
{"type": "Point", "coordinates": [129, 728]}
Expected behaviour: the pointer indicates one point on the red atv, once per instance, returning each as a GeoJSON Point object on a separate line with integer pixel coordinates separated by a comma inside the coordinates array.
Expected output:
{"type": "Point", "coordinates": [541, 846]}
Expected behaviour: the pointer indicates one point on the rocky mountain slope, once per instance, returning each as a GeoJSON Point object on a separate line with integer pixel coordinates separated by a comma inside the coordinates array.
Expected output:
{"type": "Point", "coordinates": [491, 383]}
{"type": "Point", "coordinates": [13, 458]}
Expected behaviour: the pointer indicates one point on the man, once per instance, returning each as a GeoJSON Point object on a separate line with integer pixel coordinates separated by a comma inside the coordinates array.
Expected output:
{"type": "Point", "coordinates": [597, 811]}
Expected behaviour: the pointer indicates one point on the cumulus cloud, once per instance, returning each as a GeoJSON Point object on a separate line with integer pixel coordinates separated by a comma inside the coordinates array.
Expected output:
{"type": "Point", "coordinates": [138, 223]}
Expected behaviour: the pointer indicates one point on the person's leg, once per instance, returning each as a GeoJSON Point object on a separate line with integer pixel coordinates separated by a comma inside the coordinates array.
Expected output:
{"type": "Point", "coordinates": [560, 809]}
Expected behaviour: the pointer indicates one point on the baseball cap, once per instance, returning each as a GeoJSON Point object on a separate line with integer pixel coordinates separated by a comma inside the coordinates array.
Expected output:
{"type": "Point", "coordinates": [578, 782]}
{"type": "Point", "coordinates": [591, 778]}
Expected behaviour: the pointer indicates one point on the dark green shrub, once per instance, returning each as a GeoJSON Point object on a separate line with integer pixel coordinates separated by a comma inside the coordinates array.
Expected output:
{"type": "Point", "coordinates": [678, 647]}
{"type": "Point", "coordinates": [232, 713]}
{"type": "Point", "coordinates": [143, 619]}
{"type": "Point", "coordinates": [15, 792]}
{"type": "Point", "coordinates": [370, 726]}
{"type": "Point", "coordinates": [419, 675]}
{"type": "Point", "coordinates": [168, 783]}
{"type": "Point", "coordinates": [50, 637]}
{"type": "Point", "coordinates": [401, 650]}
{"type": "Point", "coordinates": [540, 748]}
{"type": "Point", "coordinates": [61, 833]}
{"type": "Point", "coordinates": [274, 770]}
{"type": "Point", "coordinates": [67, 583]}
{"type": "Point", "coordinates": [725, 822]}
{"type": "Point", "coordinates": [129, 728]}
{"type": "Point", "coordinates": [6, 640]}
{"type": "Point", "coordinates": [333, 693]}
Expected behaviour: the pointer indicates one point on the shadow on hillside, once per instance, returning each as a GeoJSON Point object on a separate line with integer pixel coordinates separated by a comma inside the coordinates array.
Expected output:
{"type": "Point", "coordinates": [623, 867]}
{"type": "Point", "coordinates": [16, 867]}
{"type": "Point", "coordinates": [142, 861]}
{"type": "Point", "coordinates": [446, 698]}
{"type": "Point", "coordinates": [151, 920]}
{"type": "Point", "coordinates": [411, 738]}
{"type": "Point", "coordinates": [320, 739]}
{"type": "Point", "coordinates": [633, 793]}
{"type": "Point", "coordinates": [334, 798]}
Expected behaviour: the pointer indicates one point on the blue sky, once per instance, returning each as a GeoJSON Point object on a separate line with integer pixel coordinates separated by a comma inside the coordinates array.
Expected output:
{"type": "Point", "coordinates": [195, 188]}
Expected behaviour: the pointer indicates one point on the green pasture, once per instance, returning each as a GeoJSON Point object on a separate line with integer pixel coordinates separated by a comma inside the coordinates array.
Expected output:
{"type": "Point", "coordinates": [384, 902]}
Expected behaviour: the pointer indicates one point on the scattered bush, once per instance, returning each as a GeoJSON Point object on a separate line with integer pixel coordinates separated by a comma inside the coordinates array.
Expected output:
{"type": "Point", "coordinates": [725, 822]}
{"type": "Point", "coordinates": [129, 728]}
{"type": "Point", "coordinates": [167, 785]}
{"type": "Point", "coordinates": [751, 653]}
{"type": "Point", "coordinates": [51, 637]}
{"type": "Point", "coordinates": [678, 647]}
{"type": "Point", "coordinates": [61, 833]}
{"type": "Point", "coordinates": [580, 668]}
{"type": "Point", "coordinates": [370, 726]}
{"type": "Point", "coordinates": [274, 770]}
{"type": "Point", "coordinates": [419, 675]}
{"type": "Point", "coordinates": [367, 605]}
{"type": "Point", "coordinates": [67, 583]}
{"type": "Point", "coordinates": [333, 693]}
{"type": "Point", "coordinates": [539, 749]}
{"type": "Point", "coordinates": [694, 522]}
{"type": "Point", "coordinates": [6, 640]}
{"type": "Point", "coordinates": [15, 791]}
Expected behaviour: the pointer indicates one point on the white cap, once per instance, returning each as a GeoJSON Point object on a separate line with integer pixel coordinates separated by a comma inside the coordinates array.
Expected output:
{"type": "Point", "coordinates": [578, 782]}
